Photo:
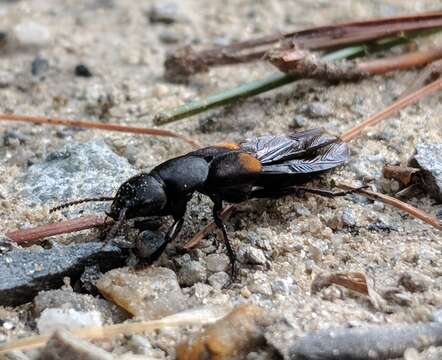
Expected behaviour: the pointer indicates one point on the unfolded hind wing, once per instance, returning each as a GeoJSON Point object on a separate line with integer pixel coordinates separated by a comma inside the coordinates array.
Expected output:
{"type": "Point", "coordinates": [278, 148]}
{"type": "Point", "coordinates": [325, 158]}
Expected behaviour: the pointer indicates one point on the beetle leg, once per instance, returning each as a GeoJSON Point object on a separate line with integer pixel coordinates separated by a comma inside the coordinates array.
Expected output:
{"type": "Point", "coordinates": [217, 207]}
{"type": "Point", "coordinates": [328, 193]}
{"type": "Point", "coordinates": [171, 234]}
{"type": "Point", "coordinates": [269, 193]}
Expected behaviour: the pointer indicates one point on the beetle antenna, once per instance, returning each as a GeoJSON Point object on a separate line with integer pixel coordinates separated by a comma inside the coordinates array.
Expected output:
{"type": "Point", "coordinates": [76, 202]}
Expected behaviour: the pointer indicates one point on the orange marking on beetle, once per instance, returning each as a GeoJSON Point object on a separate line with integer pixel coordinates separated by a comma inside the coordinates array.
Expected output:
{"type": "Point", "coordinates": [249, 163]}
{"type": "Point", "coordinates": [231, 146]}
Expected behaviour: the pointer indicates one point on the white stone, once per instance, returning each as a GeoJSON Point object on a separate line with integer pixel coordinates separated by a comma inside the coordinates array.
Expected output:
{"type": "Point", "coordinates": [66, 319]}
{"type": "Point", "coordinates": [30, 33]}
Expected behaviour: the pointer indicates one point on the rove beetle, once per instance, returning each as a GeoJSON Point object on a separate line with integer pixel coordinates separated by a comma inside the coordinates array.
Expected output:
{"type": "Point", "coordinates": [263, 167]}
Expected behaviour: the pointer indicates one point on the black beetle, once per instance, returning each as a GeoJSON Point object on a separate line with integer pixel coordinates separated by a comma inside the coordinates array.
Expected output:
{"type": "Point", "coordinates": [264, 167]}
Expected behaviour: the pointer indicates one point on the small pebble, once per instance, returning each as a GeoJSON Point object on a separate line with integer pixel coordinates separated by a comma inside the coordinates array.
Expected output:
{"type": "Point", "coordinates": [254, 256]}
{"type": "Point", "coordinates": [82, 71]}
{"type": "Point", "coordinates": [13, 138]}
{"type": "Point", "coordinates": [170, 37]}
{"type": "Point", "coordinates": [316, 110]}
{"type": "Point", "coordinates": [201, 291]}
{"type": "Point", "coordinates": [7, 78]}
{"type": "Point", "coordinates": [66, 319]}
{"type": "Point", "coordinates": [160, 91]}
{"type": "Point", "coordinates": [39, 66]}
{"type": "Point", "coordinates": [283, 286]}
{"type": "Point", "coordinates": [348, 218]}
{"type": "Point", "coordinates": [163, 12]}
{"type": "Point", "coordinates": [219, 279]}
{"type": "Point", "coordinates": [7, 325]}
{"type": "Point", "coordinates": [30, 33]}
{"type": "Point", "coordinates": [192, 272]}
{"type": "Point", "coordinates": [259, 283]}
{"type": "Point", "coordinates": [63, 345]}
{"type": "Point", "coordinates": [299, 121]}
{"type": "Point", "coordinates": [437, 316]}
{"type": "Point", "coordinates": [3, 39]}
{"type": "Point", "coordinates": [412, 354]}
{"type": "Point", "coordinates": [217, 262]}
{"type": "Point", "coordinates": [149, 294]}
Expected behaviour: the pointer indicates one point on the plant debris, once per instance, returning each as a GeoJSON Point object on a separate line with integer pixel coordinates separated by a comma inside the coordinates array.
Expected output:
{"type": "Point", "coordinates": [186, 61]}
{"type": "Point", "coordinates": [377, 342]}
{"type": "Point", "coordinates": [235, 335]}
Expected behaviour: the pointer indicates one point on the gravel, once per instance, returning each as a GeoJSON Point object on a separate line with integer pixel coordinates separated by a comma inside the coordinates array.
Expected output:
{"type": "Point", "coordinates": [289, 241]}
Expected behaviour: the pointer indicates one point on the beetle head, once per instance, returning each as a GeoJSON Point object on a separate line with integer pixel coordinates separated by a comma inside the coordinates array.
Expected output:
{"type": "Point", "coordinates": [141, 195]}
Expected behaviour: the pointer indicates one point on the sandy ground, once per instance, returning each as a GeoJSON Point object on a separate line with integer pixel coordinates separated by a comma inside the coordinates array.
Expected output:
{"type": "Point", "coordinates": [300, 237]}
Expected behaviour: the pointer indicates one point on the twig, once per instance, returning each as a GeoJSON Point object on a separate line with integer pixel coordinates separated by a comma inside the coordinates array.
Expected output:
{"type": "Point", "coordinates": [405, 175]}
{"type": "Point", "coordinates": [393, 108]}
{"type": "Point", "coordinates": [260, 86]}
{"type": "Point", "coordinates": [302, 63]}
{"type": "Point", "coordinates": [96, 125]}
{"type": "Point", "coordinates": [377, 342]}
{"type": "Point", "coordinates": [187, 61]}
{"type": "Point", "coordinates": [401, 62]}
{"type": "Point", "coordinates": [185, 318]}
{"type": "Point", "coordinates": [30, 236]}
{"type": "Point", "coordinates": [431, 73]}
{"type": "Point", "coordinates": [422, 215]}
{"type": "Point", "coordinates": [355, 281]}
{"type": "Point", "coordinates": [210, 227]}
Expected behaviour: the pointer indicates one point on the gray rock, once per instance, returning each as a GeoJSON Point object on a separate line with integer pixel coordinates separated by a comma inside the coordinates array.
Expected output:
{"type": "Point", "coordinates": [3, 39]}
{"type": "Point", "coordinates": [283, 286]}
{"type": "Point", "coordinates": [217, 262]}
{"type": "Point", "coordinates": [437, 316]}
{"type": "Point", "coordinates": [219, 280]}
{"type": "Point", "coordinates": [39, 66]}
{"type": "Point", "coordinates": [44, 269]}
{"type": "Point", "coordinates": [81, 170]}
{"type": "Point", "coordinates": [299, 121]}
{"type": "Point", "coordinates": [164, 12]}
{"type": "Point", "coordinates": [316, 110]}
{"type": "Point", "coordinates": [429, 158]}
{"type": "Point", "coordinates": [348, 218]}
{"type": "Point", "coordinates": [13, 138]}
{"type": "Point", "coordinates": [385, 341]}
{"type": "Point", "coordinates": [171, 37]}
{"type": "Point", "coordinates": [64, 346]}
{"type": "Point", "coordinates": [259, 283]}
{"type": "Point", "coordinates": [192, 272]}
{"type": "Point", "coordinates": [7, 78]}
{"type": "Point", "coordinates": [254, 256]}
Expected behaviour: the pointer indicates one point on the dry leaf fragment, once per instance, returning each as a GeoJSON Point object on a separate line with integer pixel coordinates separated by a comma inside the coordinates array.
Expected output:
{"type": "Point", "coordinates": [405, 175]}
{"type": "Point", "coordinates": [239, 332]}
